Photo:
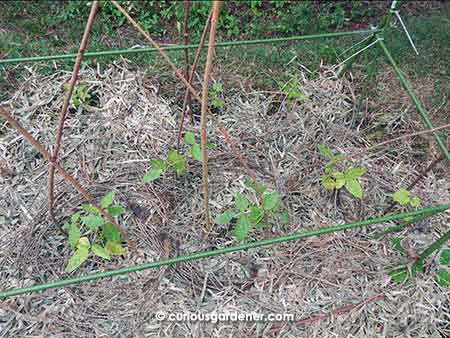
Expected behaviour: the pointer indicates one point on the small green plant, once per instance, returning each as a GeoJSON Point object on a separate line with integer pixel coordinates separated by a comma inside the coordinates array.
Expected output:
{"type": "Point", "coordinates": [215, 94]}
{"type": "Point", "coordinates": [175, 160]}
{"type": "Point", "coordinates": [403, 197]}
{"type": "Point", "coordinates": [291, 90]}
{"type": "Point", "coordinates": [338, 175]}
{"type": "Point", "coordinates": [89, 232]}
{"type": "Point", "coordinates": [248, 215]}
{"type": "Point", "coordinates": [79, 95]}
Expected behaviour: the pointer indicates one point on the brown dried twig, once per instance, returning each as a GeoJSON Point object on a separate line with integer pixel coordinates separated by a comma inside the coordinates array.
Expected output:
{"type": "Point", "coordinates": [187, 5]}
{"type": "Point", "coordinates": [179, 74]}
{"type": "Point", "coordinates": [62, 116]}
{"type": "Point", "coordinates": [204, 117]}
{"type": "Point", "coordinates": [16, 125]}
{"type": "Point", "coordinates": [187, 94]}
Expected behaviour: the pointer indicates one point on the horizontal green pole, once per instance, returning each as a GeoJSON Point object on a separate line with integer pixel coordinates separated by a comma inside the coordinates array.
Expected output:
{"type": "Point", "coordinates": [182, 47]}
{"type": "Point", "coordinates": [415, 99]}
{"type": "Point", "coordinates": [211, 253]}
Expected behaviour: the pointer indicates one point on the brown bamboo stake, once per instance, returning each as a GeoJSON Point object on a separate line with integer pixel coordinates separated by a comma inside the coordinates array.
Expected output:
{"type": "Point", "coordinates": [178, 73]}
{"type": "Point", "coordinates": [16, 125]}
{"type": "Point", "coordinates": [63, 113]}
{"type": "Point", "coordinates": [187, 5]}
{"type": "Point", "coordinates": [204, 117]}
{"type": "Point", "coordinates": [187, 94]}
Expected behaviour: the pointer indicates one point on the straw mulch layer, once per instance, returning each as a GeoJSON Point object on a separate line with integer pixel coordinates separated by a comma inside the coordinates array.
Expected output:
{"type": "Point", "coordinates": [335, 285]}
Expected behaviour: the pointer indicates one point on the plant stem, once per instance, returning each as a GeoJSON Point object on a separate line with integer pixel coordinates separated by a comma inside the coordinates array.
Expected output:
{"type": "Point", "coordinates": [187, 5]}
{"type": "Point", "coordinates": [195, 95]}
{"type": "Point", "coordinates": [63, 113]}
{"type": "Point", "coordinates": [204, 117]}
{"type": "Point", "coordinates": [187, 94]}
{"type": "Point", "coordinates": [16, 125]}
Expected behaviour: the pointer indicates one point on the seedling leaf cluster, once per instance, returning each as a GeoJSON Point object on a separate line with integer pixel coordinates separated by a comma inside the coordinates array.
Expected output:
{"type": "Point", "coordinates": [338, 175]}
{"type": "Point", "coordinates": [89, 232]}
{"type": "Point", "coordinates": [253, 213]}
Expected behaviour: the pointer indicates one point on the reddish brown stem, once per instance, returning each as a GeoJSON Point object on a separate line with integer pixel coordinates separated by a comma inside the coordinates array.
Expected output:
{"type": "Point", "coordinates": [194, 94]}
{"type": "Point", "coordinates": [16, 125]}
{"type": "Point", "coordinates": [187, 94]}
{"type": "Point", "coordinates": [204, 117]}
{"type": "Point", "coordinates": [63, 113]}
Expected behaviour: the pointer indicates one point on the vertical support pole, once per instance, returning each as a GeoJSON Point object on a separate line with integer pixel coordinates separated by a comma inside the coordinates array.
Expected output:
{"type": "Point", "coordinates": [415, 99]}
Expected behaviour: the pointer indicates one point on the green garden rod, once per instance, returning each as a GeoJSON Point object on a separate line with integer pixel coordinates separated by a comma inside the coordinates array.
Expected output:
{"type": "Point", "coordinates": [413, 96]}
{"type": "Point", "coordinates": [183, 47]}
{"type": "Point", "coordinates": [205, 254]}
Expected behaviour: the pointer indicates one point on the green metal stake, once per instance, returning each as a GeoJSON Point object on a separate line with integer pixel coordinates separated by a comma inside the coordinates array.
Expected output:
{"type": "Point", "coordinates": [211, 253]}
{"type": "Point", "coordinates": [183, 47]}
{"type": "Point", "coordinates": [416, 101]}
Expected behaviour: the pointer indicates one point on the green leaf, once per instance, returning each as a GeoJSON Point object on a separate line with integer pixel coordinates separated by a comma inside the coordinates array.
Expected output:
{"type": "Point", "coordinates": [255, 186]}
{"type": "Point", "coordinates": [354, 188]}
{"type": "Point", "coordinates": [114, 248]}
{"type": "Point", "coordinates": [152, 175]}
{"type": "Point", "coordinates": [339, 179]}
{"type": "Point", "coordinates": [90, 209]}
{"type": "Point", "coordinates": [242, 228]}
{"type": "Point", "coordinates": [225, 217]}
{"type": "Point", "coordinates": [399, 275]}
{"type": "Point", "coordinates": [415, 201]}
{"type": "Point", "coordinates": [284, 216]}
{"type": "Point", "coordinates": [75, 217]}
{"type": "Point", "coordinates": [160, 164]}
{"type": "Point", "coordinates": [92, 222]}
{"type": "Point", "coordinates": [397, 244]}
{"type": "Point", "coordinates": [217, 103]}
{"type": "Point", "coordinates": [176, 161]}
{"type": "Point", "coordinates": [83, 242]}
{"type": "Point", "coordinates": [401, 196]}
{"type": "Point", "coordinates": [323, 150]}
{"type": "Point", "coordinates": [217, 88]}
{"type": "Point", "coordinates": [74, 235]}
{"type": "Point", "coordinates": [111, 233]}
{"type": "Point", "coordinates": [354, 172]}
{"type": "Point", "coordinates": [107, 200]}
{"type": "Point", "coordinates": [256, 214]}
{"type": "Point", "coordinates": [189, 138]}
{"type": "Point", "coordinates": [196, 152]}
{"type": "Point", "coordinates": [270, 201]}
{"type": "Point", "coordinates": [241, 202]}
{"type": "Point", "coordinates": [442, 278]}
{"type": "Point", "coordinates": [101, 252]}
{"type": "Point", "coordinates": [444, 258]}
{"type": "Point", "coordinates": [417, 267]}
{"type": "Point", "coordinates": [115, 210]}
{"type": "Point", "coordinates": [79, 257]}
{"type": "Point", "coordinates": [328, 182]}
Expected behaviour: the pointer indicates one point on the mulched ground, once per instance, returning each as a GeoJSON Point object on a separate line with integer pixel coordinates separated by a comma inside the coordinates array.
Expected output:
{"type": "Point", "coordinates": [335, 285]}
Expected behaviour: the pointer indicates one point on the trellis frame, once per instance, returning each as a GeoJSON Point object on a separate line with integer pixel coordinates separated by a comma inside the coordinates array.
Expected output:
{"type": "Point", "coordinates": [376, 35]}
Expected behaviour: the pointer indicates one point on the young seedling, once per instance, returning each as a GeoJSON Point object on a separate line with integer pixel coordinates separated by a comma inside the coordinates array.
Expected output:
{"type": "Point", "coordinates": [215, 94]}
{"type": "Point", "coordinates": [248, 215]}
{"type": "Point", "coordinates": [403, 197]}
{"type": "Point", "coordinates": [291, 90]}
{"type": "Point", "coordinates": [89, 232]}
{"type": "Point", "coordinates": [79, 95]}
{"type": "Point", "coordinates": [338, 175]}
{"type": "Point", "coordinates": [174, 160]}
